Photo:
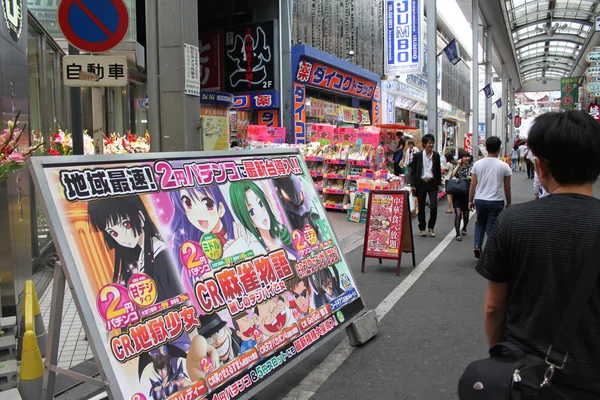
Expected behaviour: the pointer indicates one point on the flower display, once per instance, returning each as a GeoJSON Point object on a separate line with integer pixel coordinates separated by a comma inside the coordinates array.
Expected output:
{"type": "Point", "coordinates": [113, 144]}
{"type": "Point", "coordinates": [11, 158]}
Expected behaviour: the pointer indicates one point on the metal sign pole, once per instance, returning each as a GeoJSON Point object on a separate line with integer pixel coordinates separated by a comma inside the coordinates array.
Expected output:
{"type": "Point", "coordinates": [475, 79]}
{"type": "Point", "coordinates": [98, 120]}
{"type": "Point", "coordinates": [432, 109]}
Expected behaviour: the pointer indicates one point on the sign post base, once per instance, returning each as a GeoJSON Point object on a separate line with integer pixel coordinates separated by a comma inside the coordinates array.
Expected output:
{"type": "Point", "coordinates": [363, 329]}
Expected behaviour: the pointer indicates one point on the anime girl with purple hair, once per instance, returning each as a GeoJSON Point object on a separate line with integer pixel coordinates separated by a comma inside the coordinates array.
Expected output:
{"type": "Point", "coordinates": [200, 210]}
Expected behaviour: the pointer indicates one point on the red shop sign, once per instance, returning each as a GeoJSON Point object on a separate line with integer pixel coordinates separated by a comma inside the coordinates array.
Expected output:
{"type": "Point", "coordinates": [388, 232]}
{"type": "Point", "coordinates": [211, 62]}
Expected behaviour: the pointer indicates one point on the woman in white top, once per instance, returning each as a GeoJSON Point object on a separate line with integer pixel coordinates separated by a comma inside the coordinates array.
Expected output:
{"type": "Point", "coordinates": [514, 158]}
{"type": "Point", "coordinates": [448, 170]}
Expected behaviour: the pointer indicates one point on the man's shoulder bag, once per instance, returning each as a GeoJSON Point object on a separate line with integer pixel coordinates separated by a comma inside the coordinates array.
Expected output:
{"type": "Point", "coordinates": [510, 373]}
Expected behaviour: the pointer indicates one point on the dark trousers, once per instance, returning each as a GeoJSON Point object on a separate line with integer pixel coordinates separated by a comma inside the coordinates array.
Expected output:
{"type": "Point", "coordinates": [487, 212]}
{"type": "Point", "coordinates": [427, 189]}
{"type": "Point", "coordinates": [530, 168]}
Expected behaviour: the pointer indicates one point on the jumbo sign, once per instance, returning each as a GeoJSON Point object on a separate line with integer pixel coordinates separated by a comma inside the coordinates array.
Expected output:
{"type": "Point", "coordinates": [404, 42]}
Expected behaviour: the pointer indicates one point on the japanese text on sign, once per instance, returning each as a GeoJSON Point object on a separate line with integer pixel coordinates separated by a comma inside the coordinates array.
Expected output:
{"type": "Point", "coordinates": [95, 71]}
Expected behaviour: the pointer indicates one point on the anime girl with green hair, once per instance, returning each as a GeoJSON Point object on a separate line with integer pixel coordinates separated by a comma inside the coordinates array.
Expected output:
{"type": "Point", "coordinates": [252, 209]}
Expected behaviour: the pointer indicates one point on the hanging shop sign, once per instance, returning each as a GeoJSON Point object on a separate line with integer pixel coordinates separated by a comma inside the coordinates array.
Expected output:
{"type": "Point", "coordinates": [268, 117]}
{"type": "Point", "coordinates": [320, 75]}
{"type": "Point", "coordinates": [468, 142]}
{"type": "Point", "coordinates": [249, 59]}
{"type": "Point", "coordinates": [569, 93]}
{"type": "Point", "coordinates": [388, 232]}
{"type": "Point", "coordinates": [344, 135]}
{"type": "Point", "coordinates": [211, 60]}
{"type": "Point", "coordinates": [592, 72]}
{"type": "Point", "coordinates": [13, 17]}
{"type": "Point", "coordinates": [212, 300]}
{"type": "Point", "coordinates": [594, 111]}
{"type": "Point", "coordinates": [322, 133]}
{"type": "Point", "coordinates": [256, 101]}
{"type": "Point", "coordinates": [95, 71]}
{"type": "Point", "coordinates": [191, 70]}
{"type": "Point", "coordinates": [404, 36]}
{"type": "Point", "coordinates": [93, 29]}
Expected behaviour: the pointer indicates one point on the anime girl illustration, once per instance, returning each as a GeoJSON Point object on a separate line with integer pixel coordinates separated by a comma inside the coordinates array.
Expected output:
{"type": "Point", "coordinates": [167, 368]}
{"type": "Point", "coordinates": [252, 209]}
{"type": "Point", "coordinates": [200, 210]}
{"type": "Point", "coordinates": [138, 246]}
{"type": "Point", "coordinates": [297, 203]}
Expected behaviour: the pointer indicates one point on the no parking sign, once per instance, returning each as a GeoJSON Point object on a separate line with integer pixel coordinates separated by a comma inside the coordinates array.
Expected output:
{"type": "Point", "coordinates": [93, 26]}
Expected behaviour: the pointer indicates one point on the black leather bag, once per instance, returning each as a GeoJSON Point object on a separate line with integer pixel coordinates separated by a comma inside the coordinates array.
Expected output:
{"type": "Point", "coordinates": [455, 186]}
{"type": "Point", "coordinates": [510, 373]}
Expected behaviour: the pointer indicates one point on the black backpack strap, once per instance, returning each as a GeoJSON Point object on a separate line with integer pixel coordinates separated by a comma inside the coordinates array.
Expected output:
{"type": "Point", "coordinates": [558, 352]}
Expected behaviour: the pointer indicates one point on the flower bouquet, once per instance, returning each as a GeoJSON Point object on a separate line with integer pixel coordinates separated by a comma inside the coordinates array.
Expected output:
{"type": "Point", "coordinates": [113, 144]}
{"type": "Point", "coordinates": [11, 158]}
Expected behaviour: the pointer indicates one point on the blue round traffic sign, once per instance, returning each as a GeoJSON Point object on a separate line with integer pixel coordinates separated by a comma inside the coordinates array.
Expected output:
{"type": "Point", "coordinates": [94, 26]}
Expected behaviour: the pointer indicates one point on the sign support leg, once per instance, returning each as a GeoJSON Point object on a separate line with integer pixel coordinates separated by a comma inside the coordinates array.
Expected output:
{"type": "Point", "coordinates": [58, 296]}
{"type": "Point", "coordinates": [98, 120]}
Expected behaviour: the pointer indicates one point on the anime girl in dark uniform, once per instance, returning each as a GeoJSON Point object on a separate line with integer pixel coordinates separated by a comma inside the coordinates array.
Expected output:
{"type": "Point", "coordinates": [138, 246]}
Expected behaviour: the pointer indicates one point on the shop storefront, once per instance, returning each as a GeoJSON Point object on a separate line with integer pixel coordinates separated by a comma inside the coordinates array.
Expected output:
{"type": "Point", "coordinates": [333, 91]}
{"type": "Point", "coordinates": [243, 60]}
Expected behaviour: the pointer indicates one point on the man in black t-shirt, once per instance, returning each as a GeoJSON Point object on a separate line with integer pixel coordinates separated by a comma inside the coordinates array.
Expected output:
{"type": "Point", "coordinates": [536, 253]}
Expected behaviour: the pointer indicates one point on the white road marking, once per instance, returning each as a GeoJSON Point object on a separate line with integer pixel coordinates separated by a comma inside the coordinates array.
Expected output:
{"type": "Point", "coordinates": [313, 381]}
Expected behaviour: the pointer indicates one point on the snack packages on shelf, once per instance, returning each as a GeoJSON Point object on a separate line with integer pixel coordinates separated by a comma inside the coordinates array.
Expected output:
{"type": "Point", "coordinates": [337, 152]}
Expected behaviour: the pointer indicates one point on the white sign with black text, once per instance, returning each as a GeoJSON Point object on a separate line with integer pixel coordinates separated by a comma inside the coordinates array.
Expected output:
{"type": "Point", "coordinates": [597, 24]}
{"type": "Point", "coordinates": [95, 71]}
{"type": "Point", "coordinates": [192, 70]}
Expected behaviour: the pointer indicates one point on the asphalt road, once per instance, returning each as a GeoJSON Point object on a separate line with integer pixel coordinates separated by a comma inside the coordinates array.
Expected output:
{"type": "Point", "coordinates": [426, 340]}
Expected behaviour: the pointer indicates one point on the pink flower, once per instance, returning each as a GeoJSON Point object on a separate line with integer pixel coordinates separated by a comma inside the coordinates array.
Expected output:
{"type": "Point", "coordinates": [16, 157]}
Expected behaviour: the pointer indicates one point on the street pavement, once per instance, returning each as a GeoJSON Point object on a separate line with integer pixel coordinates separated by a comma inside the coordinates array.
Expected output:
{"type": "Point", "coordinates": [426, 339]}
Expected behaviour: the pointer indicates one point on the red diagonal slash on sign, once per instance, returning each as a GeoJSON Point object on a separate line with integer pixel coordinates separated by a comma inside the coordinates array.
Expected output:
{"type": "Point", "coordinates": [93, 17]}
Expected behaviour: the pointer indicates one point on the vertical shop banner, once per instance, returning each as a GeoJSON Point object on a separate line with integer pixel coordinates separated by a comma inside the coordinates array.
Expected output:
{"type": "Point", "coordinates": [404, 36]}
{"type": "Point", "coordinates": [215, 125]}
{"type": "Point", "coordinates": [211, 60]}
{"type": "Point", "coordinates": [299, 113]}
{"type": "Point", "coordinates": [468, 143]}
{"type": "Point", "coordinates": [194, 273]}
{"type": "Point", "coordinates": [569, 88]}
{"type": "Point", "coordinates": [249, 59]}
{"type": "Point", "coordinates": [388, 232]}
{"type": "Point", "coordinates": [377, 105]}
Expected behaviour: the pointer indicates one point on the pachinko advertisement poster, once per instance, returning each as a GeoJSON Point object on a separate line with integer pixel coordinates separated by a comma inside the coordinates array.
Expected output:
{"type": "Point", "coordinates": [204, 276]}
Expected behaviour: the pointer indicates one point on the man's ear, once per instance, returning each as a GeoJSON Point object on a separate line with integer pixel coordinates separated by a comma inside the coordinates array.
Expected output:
{"type": "Point", "coordinates": [542, 168]}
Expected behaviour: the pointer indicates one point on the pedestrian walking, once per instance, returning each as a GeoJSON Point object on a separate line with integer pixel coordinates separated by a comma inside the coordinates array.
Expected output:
{"type": "Point", "coordinates": [409, 156]}
{"type": "Point", "coordinates": [490, 187]}
{"type": "Point", "coordinates": [448, 170]}
{"type": "Point", "coordinates": [514, 158]}
{"type": "Point", "coordinates": [461, 201]}
{"type": "Point", "coordinates": [399, 153]}
{"type": "Point", "coordinates": [522, 149]}
{"type": "Point", "coordinates": [535, 258]}
{"type": "Point", "coordinates": [529, 163]}
{"type": "Point", "coordinates": [538, 190]}
{"type": "Point", "coordinates": [425, 179]}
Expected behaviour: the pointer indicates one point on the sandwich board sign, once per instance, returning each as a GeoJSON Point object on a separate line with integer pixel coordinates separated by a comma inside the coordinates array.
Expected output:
{"type": "Point", "coordinates": [197, 275]}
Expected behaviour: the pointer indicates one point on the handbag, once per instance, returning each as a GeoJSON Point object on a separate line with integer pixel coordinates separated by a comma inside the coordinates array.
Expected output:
{"type": "Point", "coordinates": [456, 186]}
{"type": "Point", "coordinates": [510, 373]}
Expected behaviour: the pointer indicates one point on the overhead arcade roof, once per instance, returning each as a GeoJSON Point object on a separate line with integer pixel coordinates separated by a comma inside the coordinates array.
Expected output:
{"type": "Point", "coordinates": [549, 35]}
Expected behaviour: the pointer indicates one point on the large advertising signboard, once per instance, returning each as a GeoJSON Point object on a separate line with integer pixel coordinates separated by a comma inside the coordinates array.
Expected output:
{"type": "Point", "coordinates": [202, 275]}
{"type": "Point", "coordinates": [250, 56]}
{"type": "Point", "coordinates": [403, 36]}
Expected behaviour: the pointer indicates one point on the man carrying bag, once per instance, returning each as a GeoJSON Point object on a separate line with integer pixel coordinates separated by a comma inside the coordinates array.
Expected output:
{"type": "Point", "coordinates": [542, 308]}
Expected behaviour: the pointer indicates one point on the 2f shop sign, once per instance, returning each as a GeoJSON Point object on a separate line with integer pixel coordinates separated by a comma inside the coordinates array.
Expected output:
{"type": "Point", "coordinates": [250, 58]}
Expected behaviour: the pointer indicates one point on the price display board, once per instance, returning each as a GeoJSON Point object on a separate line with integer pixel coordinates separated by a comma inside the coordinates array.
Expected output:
{"type": "Point", "coordinates": [388, 232]}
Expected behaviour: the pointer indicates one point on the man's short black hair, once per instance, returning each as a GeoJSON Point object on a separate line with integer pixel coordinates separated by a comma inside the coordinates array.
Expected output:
{"type": "Point", "coordinates": [427, 138]}
{"type": "Point", "coordinates": [554, 135]}
{"type": "Point", "coordinates": [399, 134]}
{"type": "Point", "coordinates": [493, 144]}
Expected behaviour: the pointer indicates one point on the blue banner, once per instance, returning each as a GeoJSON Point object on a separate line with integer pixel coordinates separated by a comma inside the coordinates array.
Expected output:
{"type": "Point", "coordinates": [452, 52]}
